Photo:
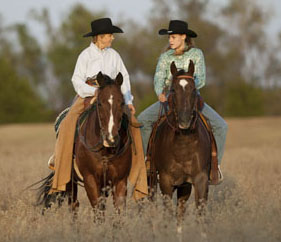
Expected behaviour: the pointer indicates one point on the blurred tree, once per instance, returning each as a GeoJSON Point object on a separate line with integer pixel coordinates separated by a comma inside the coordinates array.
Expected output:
{"type": "Point", "coordinates": [246, 23]}
{"type": "Point", "coordinates": [246, 57]}
{"type": "Point", "coordinates": [272, 87]}
{"type": "Point", "coordinates": [244, 99]}
{"type": "Point", "coordinates": [5, 45]}
{"type": "Point", "coordinates": [30, 57]}
{"type": "Point", "coordinates": [18, 101]}
{"type": "Point", "coordinates": [64, 44]}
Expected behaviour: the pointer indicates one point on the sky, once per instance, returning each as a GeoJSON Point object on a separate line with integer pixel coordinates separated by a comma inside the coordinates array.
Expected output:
{"type": "Point", "coordinates": [16, 11]}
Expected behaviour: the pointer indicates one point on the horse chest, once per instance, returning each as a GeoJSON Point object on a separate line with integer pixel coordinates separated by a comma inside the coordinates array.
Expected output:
{"type": "Point", "coordinates": [181, 156]}
{"type": "Point", "coordinates": [183, 148]}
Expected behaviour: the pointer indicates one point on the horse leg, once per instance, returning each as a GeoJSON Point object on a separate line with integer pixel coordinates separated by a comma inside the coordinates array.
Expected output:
{"type": "Point", "coordinates": [183, 194]}
{"type": "Point", "coordinates": [119, 194]}
{"type": "Point", "coordinates": [167, 189]}
{"type": "Point", "coordinates": [201, 191]}
{"type": "Point", "coordinates": [72, 196]}
{"type": "Point", "coordinates": [201, 196]}
{"type": "Point", "coordinates": [92, 190]}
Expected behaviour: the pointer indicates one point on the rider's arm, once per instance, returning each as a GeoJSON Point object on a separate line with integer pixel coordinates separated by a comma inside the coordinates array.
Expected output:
{"type": "Point", "coordinates": [126, 86]}
{"type": "Point", "coordinates": [200, 69]}
{"type": "Point", "coordinates": [160, 75]}
{"type": "Point", "coordinates": [79, 77]}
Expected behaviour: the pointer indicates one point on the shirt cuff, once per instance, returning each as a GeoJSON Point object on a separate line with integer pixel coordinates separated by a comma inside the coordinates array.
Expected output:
{"type": "Point", "coordinates": [128, 98]}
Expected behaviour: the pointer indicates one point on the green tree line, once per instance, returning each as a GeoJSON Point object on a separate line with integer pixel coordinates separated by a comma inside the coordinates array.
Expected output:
{"type": "Point", "coordinates": [243, 74]}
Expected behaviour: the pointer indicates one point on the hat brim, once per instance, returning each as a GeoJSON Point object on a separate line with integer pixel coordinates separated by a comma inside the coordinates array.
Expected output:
{"type": "Point", "coordinates": [188, 32]}
{"type": "Point", "coordinates": [113, 29]}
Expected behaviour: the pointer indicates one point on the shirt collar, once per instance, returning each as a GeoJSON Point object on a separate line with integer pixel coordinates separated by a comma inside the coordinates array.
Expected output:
{"type": "Point", "coordinates": [92, 45]}
{"type": "Point", "coordinates": [172, 51]}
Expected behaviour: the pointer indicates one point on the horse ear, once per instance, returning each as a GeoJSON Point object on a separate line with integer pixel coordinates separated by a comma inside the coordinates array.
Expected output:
{"type": "Point", "coordinates": [173, 68]}
{"type": "Point", "coordinates": [191, 68]}
{"type": "Point", "coordinates": [119, 79]}
{"type": "Point", "coordinates": [100, 79]}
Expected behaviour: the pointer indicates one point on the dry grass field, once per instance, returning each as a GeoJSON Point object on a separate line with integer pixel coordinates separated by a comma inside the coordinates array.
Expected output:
{"type": "Point", "coordinates": [246, 207]}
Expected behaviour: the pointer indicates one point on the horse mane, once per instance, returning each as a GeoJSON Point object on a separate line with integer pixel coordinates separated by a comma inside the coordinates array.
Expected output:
{"type": "Point", "coordinates": [181, 72]}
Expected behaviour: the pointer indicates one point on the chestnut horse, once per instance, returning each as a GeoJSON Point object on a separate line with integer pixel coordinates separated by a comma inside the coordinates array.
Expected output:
{"type": "Point", "coordinates": [103, 146]}
{"type": "Point", "coordinates": [102, 150]}
{"type": "Point", "coordinates": [181, 152]}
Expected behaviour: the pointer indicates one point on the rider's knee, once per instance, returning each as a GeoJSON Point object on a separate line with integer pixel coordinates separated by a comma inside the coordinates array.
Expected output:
{"type": "Point", "coordinates": [224, 127]}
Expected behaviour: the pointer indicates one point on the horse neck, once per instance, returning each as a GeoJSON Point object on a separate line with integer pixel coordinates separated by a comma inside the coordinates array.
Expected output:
{"type": "Point", "coordinates": [172, 117]}
{"type": "Point", "coordinates": [92, 128]}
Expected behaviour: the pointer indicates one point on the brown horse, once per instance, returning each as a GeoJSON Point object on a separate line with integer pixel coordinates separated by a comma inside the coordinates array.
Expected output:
{"type": "Point", "coordinates": [181, 152]}
{"type": "Point", "coordinates": [102, 150]}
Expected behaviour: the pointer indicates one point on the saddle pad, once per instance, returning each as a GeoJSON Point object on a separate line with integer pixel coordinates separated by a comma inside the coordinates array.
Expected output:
{"type": "Point", "coordinates": [81, 119]}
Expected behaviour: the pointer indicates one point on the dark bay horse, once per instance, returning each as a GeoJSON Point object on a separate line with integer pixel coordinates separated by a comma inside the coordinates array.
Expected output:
{"type": "Point", "coordinates": [102, 150]}
{"type": "Point", "coordinates": [181, 152]}
{"type": "Point", "coordinates": [103, 146]}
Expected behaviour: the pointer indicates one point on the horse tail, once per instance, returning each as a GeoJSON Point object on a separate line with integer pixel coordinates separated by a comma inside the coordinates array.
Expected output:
{"type": "Point", "coordinates": [43, 196]}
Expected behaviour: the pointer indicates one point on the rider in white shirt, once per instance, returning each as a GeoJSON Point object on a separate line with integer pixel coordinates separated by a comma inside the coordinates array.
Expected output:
{"type": "Point", "coordinates": [95, 58]}
{"type": "Point", "coordinates": [91, 61]}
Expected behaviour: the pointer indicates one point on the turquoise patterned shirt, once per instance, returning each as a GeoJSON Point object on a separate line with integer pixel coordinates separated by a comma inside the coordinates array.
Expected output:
{"type": "Point", "coordinates": [163, 74]}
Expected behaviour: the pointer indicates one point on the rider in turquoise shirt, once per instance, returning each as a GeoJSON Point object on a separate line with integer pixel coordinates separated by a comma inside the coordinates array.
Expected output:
{"type": "Point", "coordinates": [181, 51]}
{"type": "Point", "coordinates": [163, 76]}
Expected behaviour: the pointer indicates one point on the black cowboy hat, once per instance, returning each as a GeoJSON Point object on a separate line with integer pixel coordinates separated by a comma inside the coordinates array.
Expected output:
{"type": "Point", "coordinates": [178, 27]}
{"type": "Point", "coordinates": [103, 26]}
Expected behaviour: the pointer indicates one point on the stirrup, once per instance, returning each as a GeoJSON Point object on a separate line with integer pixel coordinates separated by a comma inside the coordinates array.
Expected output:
{"type": "Point", "coordinates": [51, 162]}
{"type": "Point", "coordinates": [220, 175]}
{"type": "Point", "coordinates": [220, 178]}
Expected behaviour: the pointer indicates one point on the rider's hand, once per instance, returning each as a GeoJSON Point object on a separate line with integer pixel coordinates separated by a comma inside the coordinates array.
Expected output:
{"type": "Point", "coordinates": [162, 98]}
{"type": "Point", "coordinates": [132, 109]}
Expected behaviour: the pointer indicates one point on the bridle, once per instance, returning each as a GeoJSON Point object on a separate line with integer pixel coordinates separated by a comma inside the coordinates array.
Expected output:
{"type": "Point", "coordinates": [194, 110]}
{"type": "Point", "coordinates": [99, 145]}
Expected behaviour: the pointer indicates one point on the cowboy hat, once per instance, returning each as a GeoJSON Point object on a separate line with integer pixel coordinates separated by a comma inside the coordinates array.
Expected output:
{"type": "Point", "coordinates": [103, 26]}
{"type": "Point", "coordinates": [178, 27]}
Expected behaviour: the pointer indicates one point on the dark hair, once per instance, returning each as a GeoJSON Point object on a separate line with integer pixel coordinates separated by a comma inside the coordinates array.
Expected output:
{"type": "Point", "coordinates": [190, 42]}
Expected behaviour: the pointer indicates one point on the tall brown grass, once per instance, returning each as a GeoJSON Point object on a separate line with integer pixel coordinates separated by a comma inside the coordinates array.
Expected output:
{"type": "Point", "coordinates": [245, 207]}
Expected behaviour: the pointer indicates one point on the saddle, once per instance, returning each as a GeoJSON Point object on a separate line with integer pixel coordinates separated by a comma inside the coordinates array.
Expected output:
{"type": "Point", "coordinates": [213, 176]}
{"type": "Point", "coordinates": [63, 114]}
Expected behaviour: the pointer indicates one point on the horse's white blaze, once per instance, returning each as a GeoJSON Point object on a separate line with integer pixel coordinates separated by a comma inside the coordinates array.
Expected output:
{"type": "Point", "coordinates": [111, 120]}
{"type": "Point", "coordinates": [183, 83]}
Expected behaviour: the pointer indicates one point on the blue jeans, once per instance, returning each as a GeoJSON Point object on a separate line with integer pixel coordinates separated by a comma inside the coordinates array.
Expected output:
{"type": "Point", "coordinates": [219, 126]}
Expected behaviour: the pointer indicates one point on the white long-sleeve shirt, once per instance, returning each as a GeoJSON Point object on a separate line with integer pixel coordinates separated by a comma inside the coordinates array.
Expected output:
{"type": "Point", "coordinates": [91, 61]}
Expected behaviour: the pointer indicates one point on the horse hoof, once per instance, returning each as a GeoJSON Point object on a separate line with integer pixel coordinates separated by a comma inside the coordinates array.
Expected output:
{"type": "Point", "coordinates": [179, 229]}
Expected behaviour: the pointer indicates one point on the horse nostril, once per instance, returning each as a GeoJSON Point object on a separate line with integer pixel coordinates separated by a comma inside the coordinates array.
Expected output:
{"type": "Point", "coordinates": [111, 138]}
{"type": "Point", "coordinates": [116, 139]}
{"type": "Point", "coordinates": [183, 126]}
{"type": "Point", "coordinates": [184, 123]}
{"type": "Point", "coordinates": [111, 141]}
